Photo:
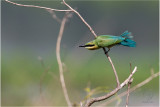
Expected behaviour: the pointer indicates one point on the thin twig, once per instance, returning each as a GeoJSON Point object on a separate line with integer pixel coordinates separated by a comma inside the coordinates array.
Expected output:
{"type": "Point", "coordinates": [129, 85]}
{"type": "Point", "coordinates": [127, 99]}
{"type": "Point", "coordinates": [90, 28]}
{"type": "Point", "coordinates": [65, 18]}
{"type": "Point", "coordinates": [101, 98]}
{"type": "Point", "coordinates": [115, 72]}
{"type": "Point", "coordinates": [133, 89]}
{"type": "Point", "coordinates": [37, 6]}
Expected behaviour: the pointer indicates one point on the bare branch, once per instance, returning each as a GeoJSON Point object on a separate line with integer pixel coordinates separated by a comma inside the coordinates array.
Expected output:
{"type": "Point", "coordinates": [115, 72]}
{"type": "Point", "coordinates": [127, 99]}
{"type": "Point", "coordinates": [90, 28]}
{"type": "Point", "coordinates": [101, 98]}
{"type": "Point", "coordinates": [133, 89]}
{"type": "Point", "coordinates": [65, 18]}
{"type": "Point", "coordinates": [129, 85]}
{"type": "Point", "coordinates": [37, 6]}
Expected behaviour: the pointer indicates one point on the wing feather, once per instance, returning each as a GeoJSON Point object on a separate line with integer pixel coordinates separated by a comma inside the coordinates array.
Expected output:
{"type": "Point", "coordinates": [107, 40]}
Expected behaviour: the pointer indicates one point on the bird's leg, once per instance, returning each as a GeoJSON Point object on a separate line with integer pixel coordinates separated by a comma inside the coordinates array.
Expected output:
{"type": "Point", "coordinates": [106, 52]}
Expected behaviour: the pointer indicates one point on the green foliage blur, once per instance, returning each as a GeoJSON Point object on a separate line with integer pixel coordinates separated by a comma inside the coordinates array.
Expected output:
{"type": "Point", "coordinates": [28, 61]}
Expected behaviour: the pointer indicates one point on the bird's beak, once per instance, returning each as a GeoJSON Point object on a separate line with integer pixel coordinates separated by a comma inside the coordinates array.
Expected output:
{"type": "Point", "coordinates": [82, 46]}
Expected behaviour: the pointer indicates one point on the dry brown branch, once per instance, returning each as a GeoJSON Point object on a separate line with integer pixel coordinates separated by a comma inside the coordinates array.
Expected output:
{"type": "Point", "coordinates": [127, 99]}
{"type": "Point", "coordinates": [65, 18]}
{"type": "Point", "coordinates": [115, 72]}
{"type": "Point", "coordinates": [129, 85]}
{"type": "Point", "coordinates": [101, 98]}
{"type": "Point", "coordinates": [90, 28]}
{"type": "Point", "coordinates": [37, 6]}
{"type": "Point", "coordinates": [134, 88]}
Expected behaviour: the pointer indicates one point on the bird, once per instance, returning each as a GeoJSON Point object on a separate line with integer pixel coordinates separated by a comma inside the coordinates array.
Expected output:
{"type": "Point", "coordinates": [102, 41]}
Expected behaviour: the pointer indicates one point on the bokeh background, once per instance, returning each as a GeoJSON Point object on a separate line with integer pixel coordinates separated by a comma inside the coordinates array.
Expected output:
{"type": "Point", "coordinates": [28, 49]}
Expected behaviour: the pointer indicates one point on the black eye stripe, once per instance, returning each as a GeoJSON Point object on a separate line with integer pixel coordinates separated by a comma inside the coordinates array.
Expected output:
{"type": "Point", "coordinates": [87, 46]}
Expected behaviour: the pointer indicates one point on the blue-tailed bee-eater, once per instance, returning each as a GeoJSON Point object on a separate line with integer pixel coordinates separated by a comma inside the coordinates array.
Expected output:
{"type": "Point", "coordinates": [109, 41]}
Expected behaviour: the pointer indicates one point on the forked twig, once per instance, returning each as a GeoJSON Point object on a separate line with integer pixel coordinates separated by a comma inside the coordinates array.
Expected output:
{"type": "Point", "coordinates": [134, 88]}
{"type": "Point", "coordinates": [101, 98]}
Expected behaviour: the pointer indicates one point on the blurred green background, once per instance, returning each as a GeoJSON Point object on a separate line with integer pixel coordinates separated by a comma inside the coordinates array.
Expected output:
{"type": "Point", "coordinates": [29, 34]}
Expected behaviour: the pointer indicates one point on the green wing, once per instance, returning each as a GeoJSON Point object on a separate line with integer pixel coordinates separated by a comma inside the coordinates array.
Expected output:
{"type": "Point", "coordinates": [108, 40]}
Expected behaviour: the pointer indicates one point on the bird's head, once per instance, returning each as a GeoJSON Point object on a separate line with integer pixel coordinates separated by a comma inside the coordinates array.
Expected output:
{"type": "Point", "coordinates": [92, 45]}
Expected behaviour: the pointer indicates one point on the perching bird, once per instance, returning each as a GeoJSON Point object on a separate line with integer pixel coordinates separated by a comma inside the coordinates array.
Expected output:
{"type": "Point", "coordinates": [110, 41]}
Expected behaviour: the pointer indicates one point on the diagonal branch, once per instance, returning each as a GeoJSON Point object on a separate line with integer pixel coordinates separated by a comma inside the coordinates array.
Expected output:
{"type": "Point", "coordinates": [129, 85]}
{"type": "Point", "coordinates": [90, 28]}
{"type": "Point", "coordinates": [134, 88]}
{"type": "Point", "coordinates": [59, 58]}
{"type": "Point", "coordinates": [36, 6]}
{"type": "Point", "coordinates": [95, 35]}
{"type": "Point", "coordinates": [101, 98]}
{"type": "Point", "coordinates": [115, 72]}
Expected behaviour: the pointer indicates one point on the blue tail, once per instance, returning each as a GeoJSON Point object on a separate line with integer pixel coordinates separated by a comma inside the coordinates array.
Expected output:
{"type": "Point", "coordinates": [127, 42]}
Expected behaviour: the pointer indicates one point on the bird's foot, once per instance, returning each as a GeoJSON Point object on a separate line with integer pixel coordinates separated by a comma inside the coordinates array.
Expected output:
{"type": "Point", "coordinates": [106, 52]}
